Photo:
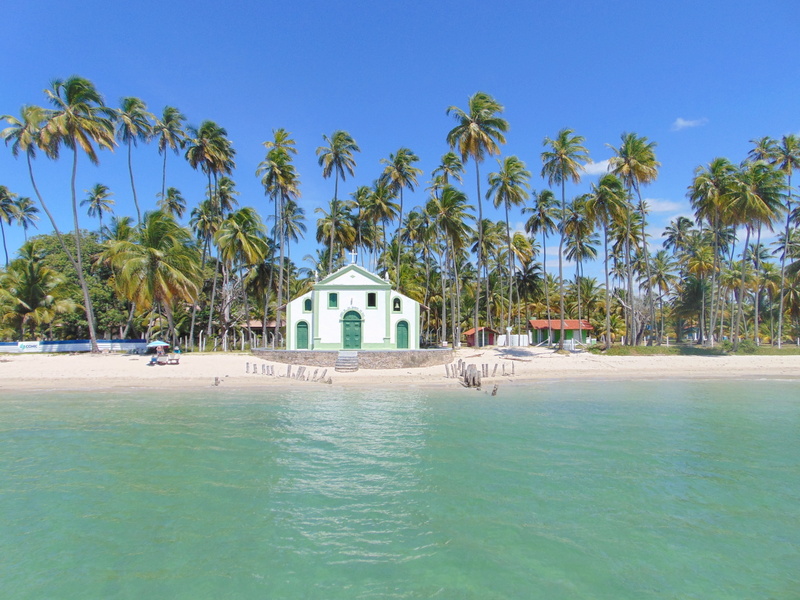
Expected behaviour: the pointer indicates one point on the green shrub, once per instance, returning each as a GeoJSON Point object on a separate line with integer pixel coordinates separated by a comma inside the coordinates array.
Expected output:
{"type": "Point", "coordinates": [747, 347]}
{"type": "Point", "coordinates": [726, 345]}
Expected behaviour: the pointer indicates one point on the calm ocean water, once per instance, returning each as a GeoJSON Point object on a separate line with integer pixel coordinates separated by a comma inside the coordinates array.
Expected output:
{"type": "Point", "coordinates": [607, 490]}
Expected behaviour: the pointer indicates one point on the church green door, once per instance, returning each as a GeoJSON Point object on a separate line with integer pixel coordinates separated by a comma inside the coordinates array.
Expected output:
{"type": "Point", "coordinates": [402, 335]}
{"type": "Point", "coordinates": [302, 335]}
{"type": "Point", "coordinates": [351, 331]}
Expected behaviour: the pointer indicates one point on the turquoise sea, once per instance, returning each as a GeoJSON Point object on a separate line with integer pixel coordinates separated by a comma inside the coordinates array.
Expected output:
{"type": "Point", "coordinates": [686, 490]}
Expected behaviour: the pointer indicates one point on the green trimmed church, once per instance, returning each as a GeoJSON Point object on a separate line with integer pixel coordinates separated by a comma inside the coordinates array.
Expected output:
{"type": "Point", "coordinates": [352, 309]}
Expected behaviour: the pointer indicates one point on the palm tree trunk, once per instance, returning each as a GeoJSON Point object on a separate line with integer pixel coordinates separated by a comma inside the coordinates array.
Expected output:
{"type": "Point", "coordinates": [5, 248]}
{"type": "Point", "coordinates": [740, 308]}
{"type": "Point", "coordinates": [650, 300]}
{"type": "Point", "coordinates": [133, 186]}
{"type": "Point", "coordinates": [757, 293]}
{"type": "Point", "coordinates": [129, 321]}
{"type": "Point", "coordinates": [608, 294]}
{"type": "Point", "coordinates": [399, 243]}
{"type": "Point", "coordinates": [786, 236]}
{"type": "Point", "coordinates": [546, 289]}
{"type": "Point", "coordinates": [79, 259]}
{"type": "Point", "coordinates": [561, 264]}
{"type": "Point", "coordinates": [164, 176]}
{"type": "Point", "coordinates": [631, 341]}
{"type": "Point", "coordinates": [480, 254]}
{"type": "Point", "coordinates": [510, 275]}
{"type": "Point", "coordinates": [213, 295]}
{"type": "Point", "coordinates": [279, 225]}
{"type": "Point", "coordinates": [442, 267]}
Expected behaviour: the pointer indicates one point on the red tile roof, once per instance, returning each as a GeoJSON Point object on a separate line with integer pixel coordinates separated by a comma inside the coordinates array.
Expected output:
{"type": "Point", "coordinates": [472, 330]}
{"type": "Point", "coordinates": [556, 324]}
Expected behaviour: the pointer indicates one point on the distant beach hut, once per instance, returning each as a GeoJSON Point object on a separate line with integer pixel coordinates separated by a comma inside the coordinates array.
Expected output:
{"type": "Point", "coordinates": [576, 330]}
{"type": "Point", "coordinates": [486, 336]}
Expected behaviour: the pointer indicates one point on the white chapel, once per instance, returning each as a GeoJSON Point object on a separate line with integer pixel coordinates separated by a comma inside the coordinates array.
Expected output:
{"type": "Point", "coordinates": [352, 309]}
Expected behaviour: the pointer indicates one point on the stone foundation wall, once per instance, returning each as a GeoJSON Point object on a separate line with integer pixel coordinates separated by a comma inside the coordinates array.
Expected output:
{"type": "Point", "coordinates": [367, 359]}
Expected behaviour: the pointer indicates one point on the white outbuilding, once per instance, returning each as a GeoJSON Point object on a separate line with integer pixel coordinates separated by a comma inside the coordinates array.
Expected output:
{"type": "Point", "coordinates": [352, 309]}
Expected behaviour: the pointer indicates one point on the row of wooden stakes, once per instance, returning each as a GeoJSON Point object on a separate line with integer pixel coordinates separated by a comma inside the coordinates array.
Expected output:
{"type": "Point", "coordinates": [300, 374]}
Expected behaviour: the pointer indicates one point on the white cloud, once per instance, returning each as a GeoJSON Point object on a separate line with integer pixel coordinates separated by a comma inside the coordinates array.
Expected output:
{"type": "Point", "coordinates": [681, 123]}
{"type": "Point", "coordinates": [596, 168]}
{"type": "Point", "coordinates": [659, 206]}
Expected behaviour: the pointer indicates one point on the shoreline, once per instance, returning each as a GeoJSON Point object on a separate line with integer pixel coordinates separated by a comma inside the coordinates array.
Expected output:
{"type": "Point", "coordinates": [196, 371]}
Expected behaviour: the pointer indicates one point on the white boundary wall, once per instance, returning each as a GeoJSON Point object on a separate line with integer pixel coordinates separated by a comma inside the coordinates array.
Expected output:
{"type": "Point", "coordinates": [139, 346]}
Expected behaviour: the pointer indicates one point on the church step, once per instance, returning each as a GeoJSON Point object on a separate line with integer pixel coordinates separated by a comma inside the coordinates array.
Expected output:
{"type": "Point", "coordinates": [346, 362]}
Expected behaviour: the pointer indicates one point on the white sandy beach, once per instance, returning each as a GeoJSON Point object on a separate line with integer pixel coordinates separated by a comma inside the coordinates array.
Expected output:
{"type": "Point", "coordinates": [19, 372]}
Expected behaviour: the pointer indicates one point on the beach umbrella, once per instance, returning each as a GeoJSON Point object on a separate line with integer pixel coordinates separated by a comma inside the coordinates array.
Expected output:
{"type": "Point", "coordinates": [156, 344]}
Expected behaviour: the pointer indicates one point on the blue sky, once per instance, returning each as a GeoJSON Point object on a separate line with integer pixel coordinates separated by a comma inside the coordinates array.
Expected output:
{"type": "Point", "coordinates": [701, 79]}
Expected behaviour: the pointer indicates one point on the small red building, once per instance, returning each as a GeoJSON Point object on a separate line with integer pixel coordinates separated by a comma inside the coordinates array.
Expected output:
{"type": "Point", "coordinates": [486, 336]}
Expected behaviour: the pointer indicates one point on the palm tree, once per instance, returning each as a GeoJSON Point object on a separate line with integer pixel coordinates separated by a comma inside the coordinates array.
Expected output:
{"type": "Point", "coordinates": [564, 160]}
{"type": "Point", "coordinates": [173, 203]}
{"type": "Point", "coordinates": [663, 279]}
{"type": "Point", "coordinates": [450, 216]}
{"type": "Point", "coordinates": [37, 294]}
{"type": "Point", "coordinates": [25, 214]}
{"type": "Point", "coordinates": [786, 157]}
{"type": "Point", "coordinates": [607, 204]}
{"type": "Point", "coordinates": [159, 265]}
{"type": "Point", "coordinates": [580, 241]}
{"type": "Point", "coordinates": [337, 158]}
{"type": "Point", "coordinates": [478, 132]}
{"type": "Point", "coordinates": [708, 194]}
{"type": "Point", "coordinates": [79, 121]}
{"type": "Point", "coordinates": [360, 200]}
{"type": "Point", "coordinates": [753, 201]}
{"type": "Point", "coordinates": [133, 126]}
{"type": "Point", "coordinates": [542, 220]}
{"type": "Point", "coordinates": [25, 134]}
{"type": "Point", "coordinates": [398, 174]}
{"type": "Point", "coordinates": [242, 241]}
{"type": "Point", "coordinates": [634, 162]}
{"type": "Point", "coordinates": [509, 186]}
{"type": "Point", "coordinates": [171, 136]}
{"type": "Point", "coordinates": [209, 150]}
{"type": "Point", "coordinates": [450, 166]}
{"type": "Point", "coordinates": [336, 226]}
{"type": "Point", "coordinates": [99, 200]}
{"type": "Point", "coordinates": [282, 184]}
{"type": "Point", "coordinates": [7, 200]}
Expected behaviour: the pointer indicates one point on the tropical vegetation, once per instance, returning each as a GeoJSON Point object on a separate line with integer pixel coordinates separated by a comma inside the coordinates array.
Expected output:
{"type": "Point", "coordinates": [221, 277]}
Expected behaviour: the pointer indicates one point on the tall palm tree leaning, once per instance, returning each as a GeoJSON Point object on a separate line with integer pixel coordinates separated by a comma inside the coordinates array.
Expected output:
{"type": "Point", "coordinates": [478, 132]}
{"type": "Point", "coordinates": [133, 126]}
{"type": "Point", "coordinates": [542, 220]}
{"type": "Point", "coordinates": [564, 160]}
{"type": "Point", "coordinates": [509, 186]}
{"type": "Point", "coordinates": [79, 121]}
{"type": "Point", "coordinates": [398, 174]}
{"type": "Point", "coordinates": [337, 158]}
{"type": "Point", "coordinates": [636, 165]}
{"type": "Point", "coordinates": [607, 203]}
{"type": "Point", "coordinates": [171, 136]}
{"type": "Point", "coordinates": [99, 200]}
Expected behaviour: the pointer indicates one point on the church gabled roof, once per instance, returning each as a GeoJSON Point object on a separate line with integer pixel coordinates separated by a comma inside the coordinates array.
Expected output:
{"type": "Point", "coordinates": [351, 275]}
